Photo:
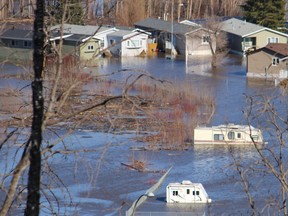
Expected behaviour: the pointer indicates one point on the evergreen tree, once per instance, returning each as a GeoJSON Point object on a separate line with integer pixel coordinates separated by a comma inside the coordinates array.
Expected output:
{"type": "Point", "coordinates": [268, 13]}
{"type": "Point", "coordinates": [72, 11]}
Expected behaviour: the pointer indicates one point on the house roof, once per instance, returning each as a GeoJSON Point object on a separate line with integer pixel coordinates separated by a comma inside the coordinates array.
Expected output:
{"type": "Point", "coordinates": [240, 27]}
{"type": "Point", "coordinates": [130, 32]}
{"type": "Point", "coordinates": [244, 29]}
{"type": "Point", "coordinates": [82, 29]}
{"type": "Point", "coordinates": [120, 33]}
{"type": "Point", "coordinates": [17, 34]}
{"type": "Point", "coordinates": [279, 48]}
{"type": "Point", "coordinates": [77, 38]}
{"type": "Point", "coordinates": [162, 25]}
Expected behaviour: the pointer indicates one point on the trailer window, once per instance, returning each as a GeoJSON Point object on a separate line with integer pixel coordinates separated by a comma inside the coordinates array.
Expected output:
{"type": "Point", "coordinates": [255, 138]}
{"type": "Point", "coordinates": [238, 135]}
{"type": "Point", "coordinates": [175, 193]}
{"type": "Point", "coordinates": [188, 191]}
{"type": "Point", "coordinates": [196, 193]}
{"type": "Point", "coordinates": [218, 137]}
{"type": "Point", "coordinates": [231, 135]}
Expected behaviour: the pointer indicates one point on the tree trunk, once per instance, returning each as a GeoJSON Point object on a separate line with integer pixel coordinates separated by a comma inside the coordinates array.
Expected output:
{"type": "Point", "coordinates": [33, 198]}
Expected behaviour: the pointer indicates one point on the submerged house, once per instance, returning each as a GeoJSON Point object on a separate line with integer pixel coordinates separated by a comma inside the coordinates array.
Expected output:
{"type": "Point", "coordinates": [128, 42]}
{"type": "Point", "coordinates": [177, 38]}
{"type": "Point", "coordinates": [269, 62]}
{"type": "Point", "coordinates": [17, 44]}
{"type": "Point", "coordinates": [244, 36]}
{"type": "Point", "coordinates": [86, 42]}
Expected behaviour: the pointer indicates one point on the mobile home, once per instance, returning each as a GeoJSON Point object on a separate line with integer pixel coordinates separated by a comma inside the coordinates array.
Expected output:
{"type": "Point", "coordinates": [228, 134]}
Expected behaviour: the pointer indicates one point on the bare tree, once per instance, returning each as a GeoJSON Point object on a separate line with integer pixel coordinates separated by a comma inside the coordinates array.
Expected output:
{"type": "Point", "coordinates": [270, 113]}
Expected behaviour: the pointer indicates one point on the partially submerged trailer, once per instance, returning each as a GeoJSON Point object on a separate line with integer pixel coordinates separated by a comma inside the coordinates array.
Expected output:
{"type": "Point", "coordinates": [228, 134]}
{"type": "Point", "coordinates": [186, 192]}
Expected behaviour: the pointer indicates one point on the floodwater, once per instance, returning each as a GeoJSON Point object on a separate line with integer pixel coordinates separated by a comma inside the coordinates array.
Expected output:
{"type": "Point", "coordinates": [98, 184]}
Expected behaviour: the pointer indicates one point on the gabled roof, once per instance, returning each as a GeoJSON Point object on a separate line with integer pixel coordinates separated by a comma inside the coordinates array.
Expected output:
{"type": "Point", "coordinates": [240, 27]}
{"type": "Point", "coordinates": [17, 34]}
{"type": "Point", "coordinates": [244, 29]}
{"type": "Point", "coordinates": [162, 25]}
{"type": "Point", "coordinates": [279, 48]}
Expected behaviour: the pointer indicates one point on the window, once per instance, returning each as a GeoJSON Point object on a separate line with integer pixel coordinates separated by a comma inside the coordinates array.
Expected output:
{"type": "Point", "coordinates": [273, 40]}
{"type": "Point", "coordinates": [102, 44]}
{"type": "Point", "coordinates": [197, 193]}
{"type": "Point", "coordinates": [112, 42]}
{"type": "Point", "coordinates": [238, 135]}
{"type": "Point", "coordinates": [14, 43]}
{"type": "Point", "coordinates": [205, 39]}
{"type": "Point", "coordinates": [175, 193]}
{"type": "Point", "coordinates": [134, 43]}
{"type": "Point", "coordinates": [90, 47]}
{"type": "Point", "coordinates": [275, 61]}
{"type": "Point", "coordinates": [255, 138]}
{"type": "Point", "coordinates": [188, 191]}
{"type": "Point", "coordinates": [218, 137]}
{"type": "Point", "coordinates": [231, 135]}
{"type": "Point", "coordinates": [27, 43]}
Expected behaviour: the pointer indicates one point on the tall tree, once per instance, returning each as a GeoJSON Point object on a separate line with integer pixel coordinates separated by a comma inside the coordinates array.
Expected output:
{"type": "Point", "coordinates": [33, 199]}
{"type": "Point", "coordinates": [268, 13]}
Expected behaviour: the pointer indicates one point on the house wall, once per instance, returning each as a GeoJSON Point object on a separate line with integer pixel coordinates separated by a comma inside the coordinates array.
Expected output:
{"type": "Point", "coordinates": [86, 51]}
{"type": "Point", "coordinates": [195, 44]}
{"type": "Point", "coordinates": [13, 43]}
{"type": "Point", "coordinates": [262, 38]}
{"type": "Point", "coordinates": [235, 43]}
{"type": "Point", "coordinates": [114, 45]}
{"type": "Point", "coordinates": [259, 65]}
{"type": "Point", "coordinates": [136, 50]}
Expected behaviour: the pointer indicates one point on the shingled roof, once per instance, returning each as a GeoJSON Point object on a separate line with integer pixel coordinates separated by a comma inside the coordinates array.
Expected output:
{"type": "Point", "coordinates": [16, 34]}
{"type": "Point", "coordinates": [279, 48]}
{"type": "Point", "coordinates": [162, 25]}
{"type": "Point", "coordinates": [244, 29]}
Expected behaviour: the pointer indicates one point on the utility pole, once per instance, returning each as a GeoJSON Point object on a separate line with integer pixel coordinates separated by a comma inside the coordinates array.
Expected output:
{"type": "Point", "coordinates": [172, 30]}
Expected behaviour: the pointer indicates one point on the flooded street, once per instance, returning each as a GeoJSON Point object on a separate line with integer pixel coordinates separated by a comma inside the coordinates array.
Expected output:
{"type": "Point", "coordinates": [99, 185]}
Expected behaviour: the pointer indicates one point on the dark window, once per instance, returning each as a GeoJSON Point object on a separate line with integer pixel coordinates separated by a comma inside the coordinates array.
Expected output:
{"type": "Point", "coordinates": [175, 193]}
{"type": "Point", "coordinates": [206, 39]}
{"type": "Point", "coordinates": [188, 191]}
{"type": "Point", "coordinates": [218, 137]}
{"type": "Point", "coordinates": [196, 192]}
{"type": "Point", "coordinates": [275, 61]}
{"type": "Point", "coordinates": [231, 135]}
{"type": "Point", "coordinates": [14, 43]}
{"type": "Point", "coordinates": [27, 44]}
{"type": "Point", "coordinates": [90, 47]}
{"type": "Point", "coordinates": [238, 135]}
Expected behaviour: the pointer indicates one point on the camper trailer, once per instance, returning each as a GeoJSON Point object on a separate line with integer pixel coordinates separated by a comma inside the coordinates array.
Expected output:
{"type": "Point", "coordinates": [228, 134]}
{"type": "Point", "coordinates": [186, 192]}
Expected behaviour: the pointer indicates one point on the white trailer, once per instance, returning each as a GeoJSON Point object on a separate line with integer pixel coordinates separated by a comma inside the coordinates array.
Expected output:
{"type": "Point", "coordinates": [186, 192]}
{"type": "Point", "coordinates": [228, 134]}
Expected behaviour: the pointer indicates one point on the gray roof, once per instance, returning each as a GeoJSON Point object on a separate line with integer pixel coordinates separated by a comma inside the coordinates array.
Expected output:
{"type": "Point", "coordinates": [157, 24]}
{"type": "Point", "coordinates": [81, 29]}
{"type": "Point", "coordinates": [120, 33]}
{"type": "Point", "coordinates": [76, 37]}
{"type": "Point", "coordinates": [240, 27]}
{"type": "Point", "coordinates": [17, 34]}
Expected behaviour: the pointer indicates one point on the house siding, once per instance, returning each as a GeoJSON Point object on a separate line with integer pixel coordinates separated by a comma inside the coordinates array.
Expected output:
{"type": "Point", "coordinates": [262, 38]}
{"type": "Point", "coordinates": [86, 53]}
{"type": "Point", "coordinates": [195, 45]}
{"type": "Point", "coordinates": [259, 65]}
